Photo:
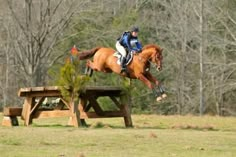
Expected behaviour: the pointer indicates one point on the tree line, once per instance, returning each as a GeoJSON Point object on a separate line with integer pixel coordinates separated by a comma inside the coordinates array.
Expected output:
{"type": "Point", "coordinates": [198, 38]}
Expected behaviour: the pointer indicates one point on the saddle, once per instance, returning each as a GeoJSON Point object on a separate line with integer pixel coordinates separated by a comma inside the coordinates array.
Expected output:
{"type": "Point", "coordinates": [129, 57]}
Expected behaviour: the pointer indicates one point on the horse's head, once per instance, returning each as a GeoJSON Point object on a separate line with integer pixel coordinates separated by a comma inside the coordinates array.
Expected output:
{"type": "Point", "coordinates": [155, 55]}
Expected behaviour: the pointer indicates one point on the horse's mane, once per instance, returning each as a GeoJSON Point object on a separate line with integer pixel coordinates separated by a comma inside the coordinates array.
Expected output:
{"type": "Point", "coordinates": [151, 46]}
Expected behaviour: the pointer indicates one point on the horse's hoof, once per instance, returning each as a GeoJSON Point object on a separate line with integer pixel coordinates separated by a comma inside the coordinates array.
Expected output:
{"type": "Point", "coordinates": [163, 95]}
{"type": "Point", "coordinates": [159, 98]}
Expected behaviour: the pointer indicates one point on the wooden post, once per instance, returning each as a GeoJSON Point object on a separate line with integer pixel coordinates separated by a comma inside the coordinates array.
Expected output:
{"type": "Point", "coordinates": [26, 113]}
{"type": "Point", "coordinates": [81, 108]}
{"type": "Point", "coordinates": [10, 121]}
{"type": "Point", "coordinates": [127, 111]}
{"type": "Point", "coordinates": [75, 114]}
{"type": "Point", "coordinates": [6, 121]}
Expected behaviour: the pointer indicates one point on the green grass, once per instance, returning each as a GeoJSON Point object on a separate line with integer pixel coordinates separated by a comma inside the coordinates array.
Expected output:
{"type": "Point", "coordinates": [152, 136]}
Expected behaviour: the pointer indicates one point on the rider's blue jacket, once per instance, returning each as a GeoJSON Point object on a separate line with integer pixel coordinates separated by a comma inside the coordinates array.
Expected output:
{"type": "Point", "coordinates": [129, 42]}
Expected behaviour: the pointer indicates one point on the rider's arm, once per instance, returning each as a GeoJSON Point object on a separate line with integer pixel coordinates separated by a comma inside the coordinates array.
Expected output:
{"type": "Point", "coordinates": [127, 42]}
{"type": "Point", "coordinates": [139, 46]}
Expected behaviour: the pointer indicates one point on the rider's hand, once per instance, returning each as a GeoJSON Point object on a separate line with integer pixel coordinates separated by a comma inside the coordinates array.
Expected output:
{"type": "Point", "coordinates": [134, 52]}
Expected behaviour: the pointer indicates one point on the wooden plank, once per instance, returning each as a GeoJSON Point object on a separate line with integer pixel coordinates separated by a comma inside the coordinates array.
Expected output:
{"type": "Point", "coordinates": [23, 90]}
{"type": "Point", "coordinates": [48, 88]}
{"type": "Point", "coordinates": [27, 89]}
{"type": "Point", "coordinates": [60, 105]}
{"type": "Point", "coordinates": [114, 114]}
{"type": "Point", "coordinates": [66, 103]}
{"type": "Point", "coordinates": [55, 91]}
{"type": "Point", "coordinates": [12, 111]}
{"type": "Point", "coordinates": [95, 106]}
{"type": "Point", "coordinates": [84, 105]}
{"type": "Point", "coordinates": [116, 102]}
{"type": "Point", "coordinates": [103, 88]}
{"type": "Point", "coordinates": [107, 114]}
{"type": "Point", "coordinates": [87, 107]}
{"type": "Point", "coordinates": [103, 93]}
{"type": "Point", "coordinates": [53, 113]}
{"type": "Point", "coordinates": [41, 94]}
{"type": "Point", "coordinates": [37, 89]}
{"type": "Point", "coordinates": [36, 106]}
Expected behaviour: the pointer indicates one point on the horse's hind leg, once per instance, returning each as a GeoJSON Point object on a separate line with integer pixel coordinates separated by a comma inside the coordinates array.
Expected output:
{"type": "Point", "coordinates": [89, 68]}
{"type": "Point", "coordinates": [88, 71]}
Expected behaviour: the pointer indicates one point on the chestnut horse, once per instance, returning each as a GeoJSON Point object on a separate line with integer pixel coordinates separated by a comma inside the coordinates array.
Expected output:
{"type": "Point", "coordinates": [105, 61]}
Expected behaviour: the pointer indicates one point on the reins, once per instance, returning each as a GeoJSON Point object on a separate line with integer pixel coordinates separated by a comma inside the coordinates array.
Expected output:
{"type": "Point", "coordinates": [148, 60]}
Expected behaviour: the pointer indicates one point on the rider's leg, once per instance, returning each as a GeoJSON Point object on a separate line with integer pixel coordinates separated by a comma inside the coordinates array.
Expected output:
{"type": "Point", "coordinates": [122, 50]}
{"type": "Point", "coordinates": [123, 64]}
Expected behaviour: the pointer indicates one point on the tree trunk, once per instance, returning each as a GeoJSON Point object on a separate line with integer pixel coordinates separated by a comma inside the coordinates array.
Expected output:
{"type": "Point", "coordinates": [202, 44]}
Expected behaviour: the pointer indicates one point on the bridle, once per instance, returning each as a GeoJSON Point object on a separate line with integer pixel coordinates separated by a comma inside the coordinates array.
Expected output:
{"type": "Point", "coordinates": [150, 62]}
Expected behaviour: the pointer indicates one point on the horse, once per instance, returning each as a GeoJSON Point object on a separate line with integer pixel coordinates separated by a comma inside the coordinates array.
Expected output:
{"type": "Point", "coordinates": [139, 68]}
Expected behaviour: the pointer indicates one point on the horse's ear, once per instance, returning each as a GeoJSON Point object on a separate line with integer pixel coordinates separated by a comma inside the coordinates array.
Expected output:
{"type": "Point", "coordinates": [161, 49]}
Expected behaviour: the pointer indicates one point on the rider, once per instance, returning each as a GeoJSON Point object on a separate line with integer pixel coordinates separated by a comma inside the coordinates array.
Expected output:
{"type": "Point", "coordinates": [127, 43]}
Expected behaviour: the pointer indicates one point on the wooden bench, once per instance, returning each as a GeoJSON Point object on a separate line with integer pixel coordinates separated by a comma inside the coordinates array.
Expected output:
{"type": "Point", "coordinates": [88, 106]}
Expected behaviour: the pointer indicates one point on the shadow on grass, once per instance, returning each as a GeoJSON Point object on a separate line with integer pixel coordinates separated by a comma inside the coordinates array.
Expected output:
{"type": "Point", "coordinates": [195, 127]}
{"type": "Point", "coordinates": [179, 127]}
{"type": "Point", "coordinates": [100, 125]}
{"type": "Point", "coordinates": [11, 141]}
{"type": "Point", "coordinates": [52, 125]}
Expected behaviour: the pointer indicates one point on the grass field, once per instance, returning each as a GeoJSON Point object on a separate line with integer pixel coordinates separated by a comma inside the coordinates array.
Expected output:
{"type": "Point", "coordinates": [152, 136]}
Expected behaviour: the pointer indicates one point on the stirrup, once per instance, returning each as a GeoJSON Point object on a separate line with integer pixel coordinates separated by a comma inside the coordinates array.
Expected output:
{"type": "Point", "coordinates": [123, 70]}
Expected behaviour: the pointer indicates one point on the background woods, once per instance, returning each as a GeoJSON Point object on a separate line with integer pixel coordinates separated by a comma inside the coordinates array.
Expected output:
{"type": "Point", "coordinates": [198, 37]}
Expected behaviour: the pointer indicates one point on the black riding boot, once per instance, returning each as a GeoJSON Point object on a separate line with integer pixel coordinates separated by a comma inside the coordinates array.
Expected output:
{"type": "Point", "coordinates": [123, 66]}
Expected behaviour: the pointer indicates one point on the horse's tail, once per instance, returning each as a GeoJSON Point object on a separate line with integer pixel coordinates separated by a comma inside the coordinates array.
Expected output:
{"type": "Point", "coordinates": [88, 53]}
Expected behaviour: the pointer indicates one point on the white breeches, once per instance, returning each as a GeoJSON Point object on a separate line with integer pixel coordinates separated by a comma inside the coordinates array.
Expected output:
{"type": "Point", "coordinates": [121, 49]}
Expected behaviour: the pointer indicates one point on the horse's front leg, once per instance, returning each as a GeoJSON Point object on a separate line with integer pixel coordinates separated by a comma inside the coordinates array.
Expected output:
{"type": "Point", "coordinates": [147, 82]}
{"type": "Point", "coordinates": [156, 82]}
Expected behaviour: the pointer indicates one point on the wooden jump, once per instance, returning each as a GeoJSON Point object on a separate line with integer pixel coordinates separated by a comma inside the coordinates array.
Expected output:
{"type": "Point", "coordinates": [88, 106]}
{"type": "Point", "coordinates": [10, 116]}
